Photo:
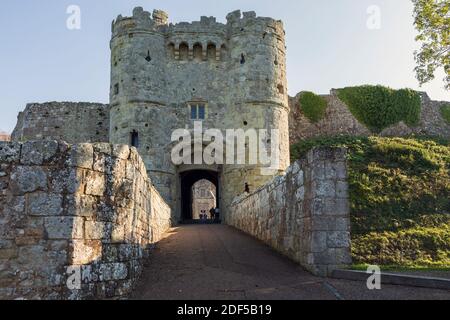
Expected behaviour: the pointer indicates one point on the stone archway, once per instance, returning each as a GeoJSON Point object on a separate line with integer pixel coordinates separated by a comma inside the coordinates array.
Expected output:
{"type": "Point", "coordinates": [187, 181]}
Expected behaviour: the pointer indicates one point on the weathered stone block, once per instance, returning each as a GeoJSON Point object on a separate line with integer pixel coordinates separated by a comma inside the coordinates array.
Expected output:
{"type": "Point", "coordinates": [338, 239]}
{"type": "Point", "coordinates": [95, 230]}
{"type": "Point", "coordinates": [28, 179]}
{"type": "Point", "coordinates": [82, 156]}
{"type": "Point", "coordinates": [63, 180]}
{"type": "Point", "coordinates": [38, 152]}
{"type": "Point", "coordinates": [44, 204]}
{"type": "Point", "coordinates": [104, 148]}
{"type": "Point", "coordinates": [326, 188]}
{"type": "Point", "coordinates": [83, 205]}
{"type": "Point", "coordinates": [343, 256]}
{"type": "Point", "coordinates": [342, 189]}
{"type": "Point", "coordinates": [325, 257]}
{"type": "Point", "coordinates": [118, 234]}
{"type": "Point", "coordinates": [121, 152]}
{"type": "Point", "coordinates": [125, 252]}
{"type": "Point", "coordinates": [319, 241]}
{"type": "Point", "coordinates": [341, 207]}
{"type": "Point", "coordinates": [86, 252]}
{"type": "Point", "coordinates": [112, 271]}
{"type": "Point", "coordinates": [110, 253]}
{"type": "Point", "coordinates": [300, 194]}
{"type": "Point", "coordinates": [95, 184]}
{"type": "Point", "coordinates": [64, 227]}
{"type": "Point", "coordinates": [9, 152]}
{"type": "Point", "coordinates": [100, 163]}
{"type": "Point", "coordinates": [9, 253]}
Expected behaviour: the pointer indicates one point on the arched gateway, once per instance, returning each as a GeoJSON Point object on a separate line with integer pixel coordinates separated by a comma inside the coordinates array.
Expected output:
{"type": "Point", "coordinates": [187, 180]}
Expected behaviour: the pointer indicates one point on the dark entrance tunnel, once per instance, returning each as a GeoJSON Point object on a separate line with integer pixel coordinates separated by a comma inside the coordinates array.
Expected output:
{"type": "Point", "coordinates": [188, 179]}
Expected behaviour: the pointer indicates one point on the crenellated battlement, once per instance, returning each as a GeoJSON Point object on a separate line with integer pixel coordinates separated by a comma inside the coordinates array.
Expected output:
{"type": "Point", "coordinates": [237, 23]}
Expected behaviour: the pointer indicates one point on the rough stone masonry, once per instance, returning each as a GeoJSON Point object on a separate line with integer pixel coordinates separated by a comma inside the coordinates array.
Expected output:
{"type": "Point", "coordinates": [304, 214]}
{"type": "Point", "coordinates": [76, 221]}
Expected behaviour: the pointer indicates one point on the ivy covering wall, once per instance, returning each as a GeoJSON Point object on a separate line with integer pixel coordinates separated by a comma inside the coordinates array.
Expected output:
{"type": "Point", "coordinates": [445, 111]}
{"type": "Point", "coordinates": [313, 106]}
{"type": "Point", "coordinates": [379, 107]}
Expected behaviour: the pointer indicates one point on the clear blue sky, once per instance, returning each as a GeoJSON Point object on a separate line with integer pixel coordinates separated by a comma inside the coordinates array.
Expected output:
{"type": "Point", "coordinates": [329, 46]}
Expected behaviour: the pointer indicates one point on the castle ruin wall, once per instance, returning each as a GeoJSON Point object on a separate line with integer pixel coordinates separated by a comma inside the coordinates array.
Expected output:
{"type": "Point", "coordinates": [68, 121]}
{"type": "Point", "coordinates": [338, 120]}
{"type": "Point", "coordinates": [76, 221]}
{"type": "Point", "coordinates": [304, 214]}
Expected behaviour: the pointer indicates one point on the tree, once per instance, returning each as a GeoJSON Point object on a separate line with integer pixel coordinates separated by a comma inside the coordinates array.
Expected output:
{"type": "Point", "coordinates": [432, 20]}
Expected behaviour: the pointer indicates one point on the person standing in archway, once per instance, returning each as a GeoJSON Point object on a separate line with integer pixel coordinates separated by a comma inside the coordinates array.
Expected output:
{"type": "Point", "coordinates": [217, 214]}
{"type": "Point", "coordinates": [212, 213]}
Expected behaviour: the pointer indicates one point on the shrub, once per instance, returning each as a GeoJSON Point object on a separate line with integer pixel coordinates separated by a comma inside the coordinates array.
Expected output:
{"type": "Point", "coordinates": [313, 106]}
{"type": "Point", "coordinates": [380, 107]}
{"type": "Point", "coordinates": [418, 246]}
{"type": "Point", "coordinates": [445, 111]}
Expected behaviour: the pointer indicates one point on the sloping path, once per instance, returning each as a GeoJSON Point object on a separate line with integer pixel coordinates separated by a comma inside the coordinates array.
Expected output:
{"type": "Point", "coordinates": [217, 262]}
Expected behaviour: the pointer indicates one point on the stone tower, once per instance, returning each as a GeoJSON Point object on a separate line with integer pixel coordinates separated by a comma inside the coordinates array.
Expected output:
{"type": "Point", "coordinates": [228, 76]}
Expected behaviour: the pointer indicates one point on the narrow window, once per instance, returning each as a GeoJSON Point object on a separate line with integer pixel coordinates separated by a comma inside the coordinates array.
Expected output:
{"type": "Point", "coordinates": [116, 89]}
{"type": "Point", "coordinates": [198, 52]}
{"type": "Point", "coordinates": [201, 112]}
{"type": "Point", "coordinates": [193, 112]}
{"type": "Point", "coordinates": [211, 52]}
{"type": "Point", "coordinates": [184, 51]}
{"type": "Point", "coordinates": [280, 89]}
{"type": "Point", "coordinates": [242, 59]}
{"type": "Point", "coordinates": [148, 58]}
{"type": "Point", "coordinates": [135, 139]}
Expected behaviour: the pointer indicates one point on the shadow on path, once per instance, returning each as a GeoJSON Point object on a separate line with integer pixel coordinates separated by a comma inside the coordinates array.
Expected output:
{"type": "Point", "coordinates": [217, 262]}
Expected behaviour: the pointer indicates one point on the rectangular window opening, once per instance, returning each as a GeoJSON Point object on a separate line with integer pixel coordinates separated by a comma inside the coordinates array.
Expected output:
{"type": "Point", "coordinates": [194, 112]}
{"type": "Point", "coordinates": [135, 139]}
{"type": "Point", "coordinates": [201, 112]}
{"type": "Point", "coordinates": [198, 111]}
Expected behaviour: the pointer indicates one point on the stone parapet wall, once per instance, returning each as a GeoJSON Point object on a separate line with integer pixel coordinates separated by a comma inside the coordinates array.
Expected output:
{"type": "Point", "coordinates": [339, 120]}
{"type": "Point", "coordinates": [68, 121]}
{"type": "Point", "coordinates": [76, 221]}
{"type": "Point", "coordinates": [304, 214]}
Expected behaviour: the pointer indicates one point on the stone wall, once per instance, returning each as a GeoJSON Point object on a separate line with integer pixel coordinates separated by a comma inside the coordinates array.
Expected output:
{"type": "Point", "coordinates": [339, 120]}
{"type": "Point", "coordinates": [68, 121]}
{"type": "Point", "coordinates": [84, 215]}
{"type": "Point", "coordinates": [304, 214]}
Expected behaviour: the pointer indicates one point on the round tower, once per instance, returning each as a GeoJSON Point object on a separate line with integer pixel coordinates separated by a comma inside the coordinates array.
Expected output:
{"type": "Point", "coordinates": [259, 89]}
{"type": "Point", "coordinates": [138, 93]}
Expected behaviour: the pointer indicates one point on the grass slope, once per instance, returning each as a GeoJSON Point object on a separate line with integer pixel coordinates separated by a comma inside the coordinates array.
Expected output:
{"type": "Point", "coordinates": [400, 199]}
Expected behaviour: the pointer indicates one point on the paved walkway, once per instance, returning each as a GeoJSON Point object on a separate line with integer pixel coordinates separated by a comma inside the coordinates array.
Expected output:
{"type": "Point", "coordinates": [216, 262]}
